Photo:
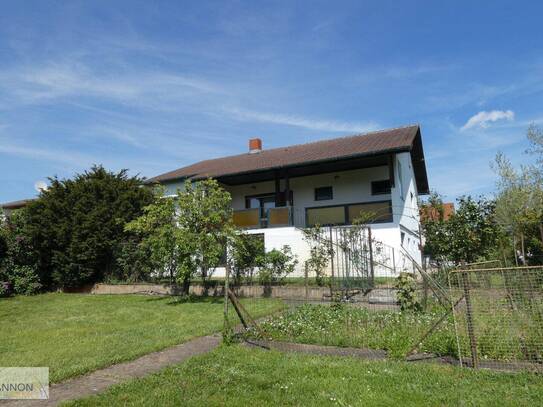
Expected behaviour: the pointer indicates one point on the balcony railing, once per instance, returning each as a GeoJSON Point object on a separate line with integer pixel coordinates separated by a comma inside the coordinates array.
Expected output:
{"type": "Point", "coordinates": [273, 217]}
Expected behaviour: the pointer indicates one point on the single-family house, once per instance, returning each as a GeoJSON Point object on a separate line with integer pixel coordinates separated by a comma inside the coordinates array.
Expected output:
{"type": "Point", "coordinates": [279, 191]}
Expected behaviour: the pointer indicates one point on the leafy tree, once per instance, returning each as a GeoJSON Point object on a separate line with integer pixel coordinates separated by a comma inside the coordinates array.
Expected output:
{"type": "Point", "coordinates": [187, 234]}
{"type": "Point", "coordinates": [247, 254]}
{"type": "Point", "coordinates": [277, 265]}
{"type": "Point", "coordinates": [519, 201]}
{"type": "Point", "coordinates": [76, 226]}
{"type": "Point", "coordinates": [471, 233]}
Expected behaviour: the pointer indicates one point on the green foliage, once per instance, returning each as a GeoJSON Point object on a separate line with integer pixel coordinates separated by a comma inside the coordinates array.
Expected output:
{"type": "Point", "coordinates": [247, 254]}
{"type": "Point", "coordinates": [75, 227]}
{"type": "Point", "coordinates": [348, 326]}
{"type": "Point", "coordinates": [320, 253]}
{"type": "Point", "coordinates": [276, 265]}
{"type": "Point", "coordinates": [316, 264]}
{"type": "Point", "coordinates": [519, 202]}
{"type": "Point", "coordinates": [187, 234]}
{"type": "Point", "coordinates": [471, 233]}
{"type": "Point", "coordinates": [135, 262]}
{"type": "Point", "coordinates": [18, 265]}
{"type": "Point", "coordinates": [407, 293]}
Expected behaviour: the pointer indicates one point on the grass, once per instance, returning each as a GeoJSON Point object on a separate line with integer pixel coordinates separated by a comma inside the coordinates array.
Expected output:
{"type": "Point", "coordinates": [344, 325]}
{"type": "Point", "coordinates": [238, 376]}
{"type": "Point", "coordinates": [74, 334]}
{"type": "Point", "coordinates": [501, 334]}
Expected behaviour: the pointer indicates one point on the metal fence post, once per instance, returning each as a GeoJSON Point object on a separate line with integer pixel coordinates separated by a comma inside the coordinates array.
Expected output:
{"type": "Point", "coordinates": [226, 288]}
{"type": "Point", "coordinates": [471, 327]}
{"type": "Point", "coordinates": [372, 272]}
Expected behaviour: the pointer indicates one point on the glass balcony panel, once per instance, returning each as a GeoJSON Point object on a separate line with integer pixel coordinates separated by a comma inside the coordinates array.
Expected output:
{"type": "Point", "coordinates": [279, 217]}
{"type": "Point", "coordinates": [247, 218]}
{"type": "Point", "coordinates": [334, 215]}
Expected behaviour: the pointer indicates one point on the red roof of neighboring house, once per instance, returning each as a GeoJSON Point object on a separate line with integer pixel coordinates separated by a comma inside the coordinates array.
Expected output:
{"type": "Point", "coordinates": [431, 213]}
{"type": "Point", "coordinates": [16, 204]}
{"type": "Point", "coordinates": [395, 140]}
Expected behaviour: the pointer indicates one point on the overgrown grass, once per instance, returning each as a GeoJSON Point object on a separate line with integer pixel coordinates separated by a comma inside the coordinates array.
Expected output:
{"type": "Point", "coordinates": [501, 334]}
{"type": "Point", "coordinates": [238, 376]}
{"type": "Point", "coordinates": [344, 325]}
{"type": "Point", "coordinates": [74, 334]}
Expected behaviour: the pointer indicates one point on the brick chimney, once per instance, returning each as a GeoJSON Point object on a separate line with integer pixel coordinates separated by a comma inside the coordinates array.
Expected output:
{"type": "Point", "coordinates": [255, 145]}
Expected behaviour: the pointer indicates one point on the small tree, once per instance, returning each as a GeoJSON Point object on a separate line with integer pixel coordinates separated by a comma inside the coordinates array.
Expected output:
{"type": "Point", "coordinates": [187, 234]}
{"type": "Point", "coordinates": [247, 254]}
{"type": "Point", "coordinates": [277, 265]}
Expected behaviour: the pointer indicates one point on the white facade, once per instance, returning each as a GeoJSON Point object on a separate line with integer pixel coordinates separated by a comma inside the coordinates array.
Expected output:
{"type": "Point", "coordinates": [349, 187]}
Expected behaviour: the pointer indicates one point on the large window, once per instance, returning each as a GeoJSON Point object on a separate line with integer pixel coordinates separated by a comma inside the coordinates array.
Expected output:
{"type": "Point", "coordinates": [372, 212]}
{"type": "Point", "coordinates": [324, 194]}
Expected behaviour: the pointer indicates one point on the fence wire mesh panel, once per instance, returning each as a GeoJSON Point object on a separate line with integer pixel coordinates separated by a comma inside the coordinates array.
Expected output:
{"type": "Point", "coordinates": [344, 288]}
{"type": "Point", "coordinates": [499, 320]}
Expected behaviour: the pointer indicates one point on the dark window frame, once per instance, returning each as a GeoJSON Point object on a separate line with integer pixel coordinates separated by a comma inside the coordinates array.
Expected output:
{"type": "Point", "coordinates": [381, 191]}
{"type": "Point", "coordinates": [346, 209]}
{"type": "Point", "coordinates": [320, 189]}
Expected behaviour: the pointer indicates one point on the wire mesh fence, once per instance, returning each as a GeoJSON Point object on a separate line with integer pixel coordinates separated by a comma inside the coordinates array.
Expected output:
{"type": "Point", "coordinates": [499, 320]}
{"type": "Point", "coordinates": [362, 293]}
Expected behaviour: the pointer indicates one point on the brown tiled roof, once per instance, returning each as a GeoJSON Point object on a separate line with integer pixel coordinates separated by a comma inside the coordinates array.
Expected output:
{"type": "Point", "coordinates": [384, 141]}
{"type": "Point", "coordinates": [16, 204]}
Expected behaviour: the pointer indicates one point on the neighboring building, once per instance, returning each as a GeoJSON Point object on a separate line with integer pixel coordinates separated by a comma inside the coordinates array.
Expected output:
{"type": "Point", "coordinates": [428, 212]}
{"type": "Point", "coordinates": [9, 207]}
{"type": "Point", "coordinates": [277, 192]}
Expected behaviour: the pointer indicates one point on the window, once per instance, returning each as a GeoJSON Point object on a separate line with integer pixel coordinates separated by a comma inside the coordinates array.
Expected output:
{"type": "Point", "coordinates": [380, 187]}
{"type": "Point", "coordinates": [346, 214]}
{"type": "Point", "coordinates": [330, 215]}
{"type": "Point", "coordinates": [324, 194]}
{"type": "Point", "coordinates": [379, 211]}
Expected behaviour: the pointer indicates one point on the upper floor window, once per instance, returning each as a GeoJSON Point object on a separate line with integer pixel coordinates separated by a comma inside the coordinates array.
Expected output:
{"type": "Point", "coordinates": [324, 194]}
{"type": "Point", "coordinates": [380, 187]}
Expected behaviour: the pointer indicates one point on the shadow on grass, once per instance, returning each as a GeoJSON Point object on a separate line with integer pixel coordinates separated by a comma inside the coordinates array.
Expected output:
{"type": "Point", "coordinates": [187, 299]}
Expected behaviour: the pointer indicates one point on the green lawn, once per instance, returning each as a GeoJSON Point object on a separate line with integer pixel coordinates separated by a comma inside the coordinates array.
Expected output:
{"type": "Point", "coordinates": [238, 376]}
{"type": "Point", "coordinates": [74, 334]}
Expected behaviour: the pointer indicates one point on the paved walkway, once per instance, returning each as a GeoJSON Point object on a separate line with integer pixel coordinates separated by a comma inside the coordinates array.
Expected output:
{"type": "Point", "coordinates": [99, 380]}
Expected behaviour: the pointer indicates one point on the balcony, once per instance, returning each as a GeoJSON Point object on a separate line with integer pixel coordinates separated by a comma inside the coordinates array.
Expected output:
{"type": "Point", "coordinates": [343, 214]}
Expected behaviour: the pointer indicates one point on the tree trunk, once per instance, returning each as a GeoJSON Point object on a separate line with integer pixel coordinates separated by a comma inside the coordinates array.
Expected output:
{"type": "Point", "coordinates": [522, 248]}
{"type": "Point", "coordinates": [186, 285]}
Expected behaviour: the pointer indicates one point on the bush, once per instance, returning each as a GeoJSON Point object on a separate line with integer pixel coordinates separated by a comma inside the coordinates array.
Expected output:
{"type": "Point", "coordinates": [276, 265]}
{"type": "Point", "coordinates": [407, 288]}
{"type": "Point", "coordinates": [134, 262]}
{"type": "Point", "coordinates": [316, 264]}
{"type": "Point", "coordinates": [74, 228]}
{"type": "Point", "coordinates": [17, 265]}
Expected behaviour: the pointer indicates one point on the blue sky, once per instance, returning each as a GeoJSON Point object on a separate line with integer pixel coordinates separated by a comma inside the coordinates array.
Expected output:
{"type": "Point", "coordinates": [153, 86]}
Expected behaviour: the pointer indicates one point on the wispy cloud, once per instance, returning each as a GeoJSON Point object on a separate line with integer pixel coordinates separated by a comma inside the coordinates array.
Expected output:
{"type": "Point", "coordinates": [483, 118]}
{"type": "Point", "coordinates": [54, 81]}
{"type": "Point", "coordinates": [303, 122]}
